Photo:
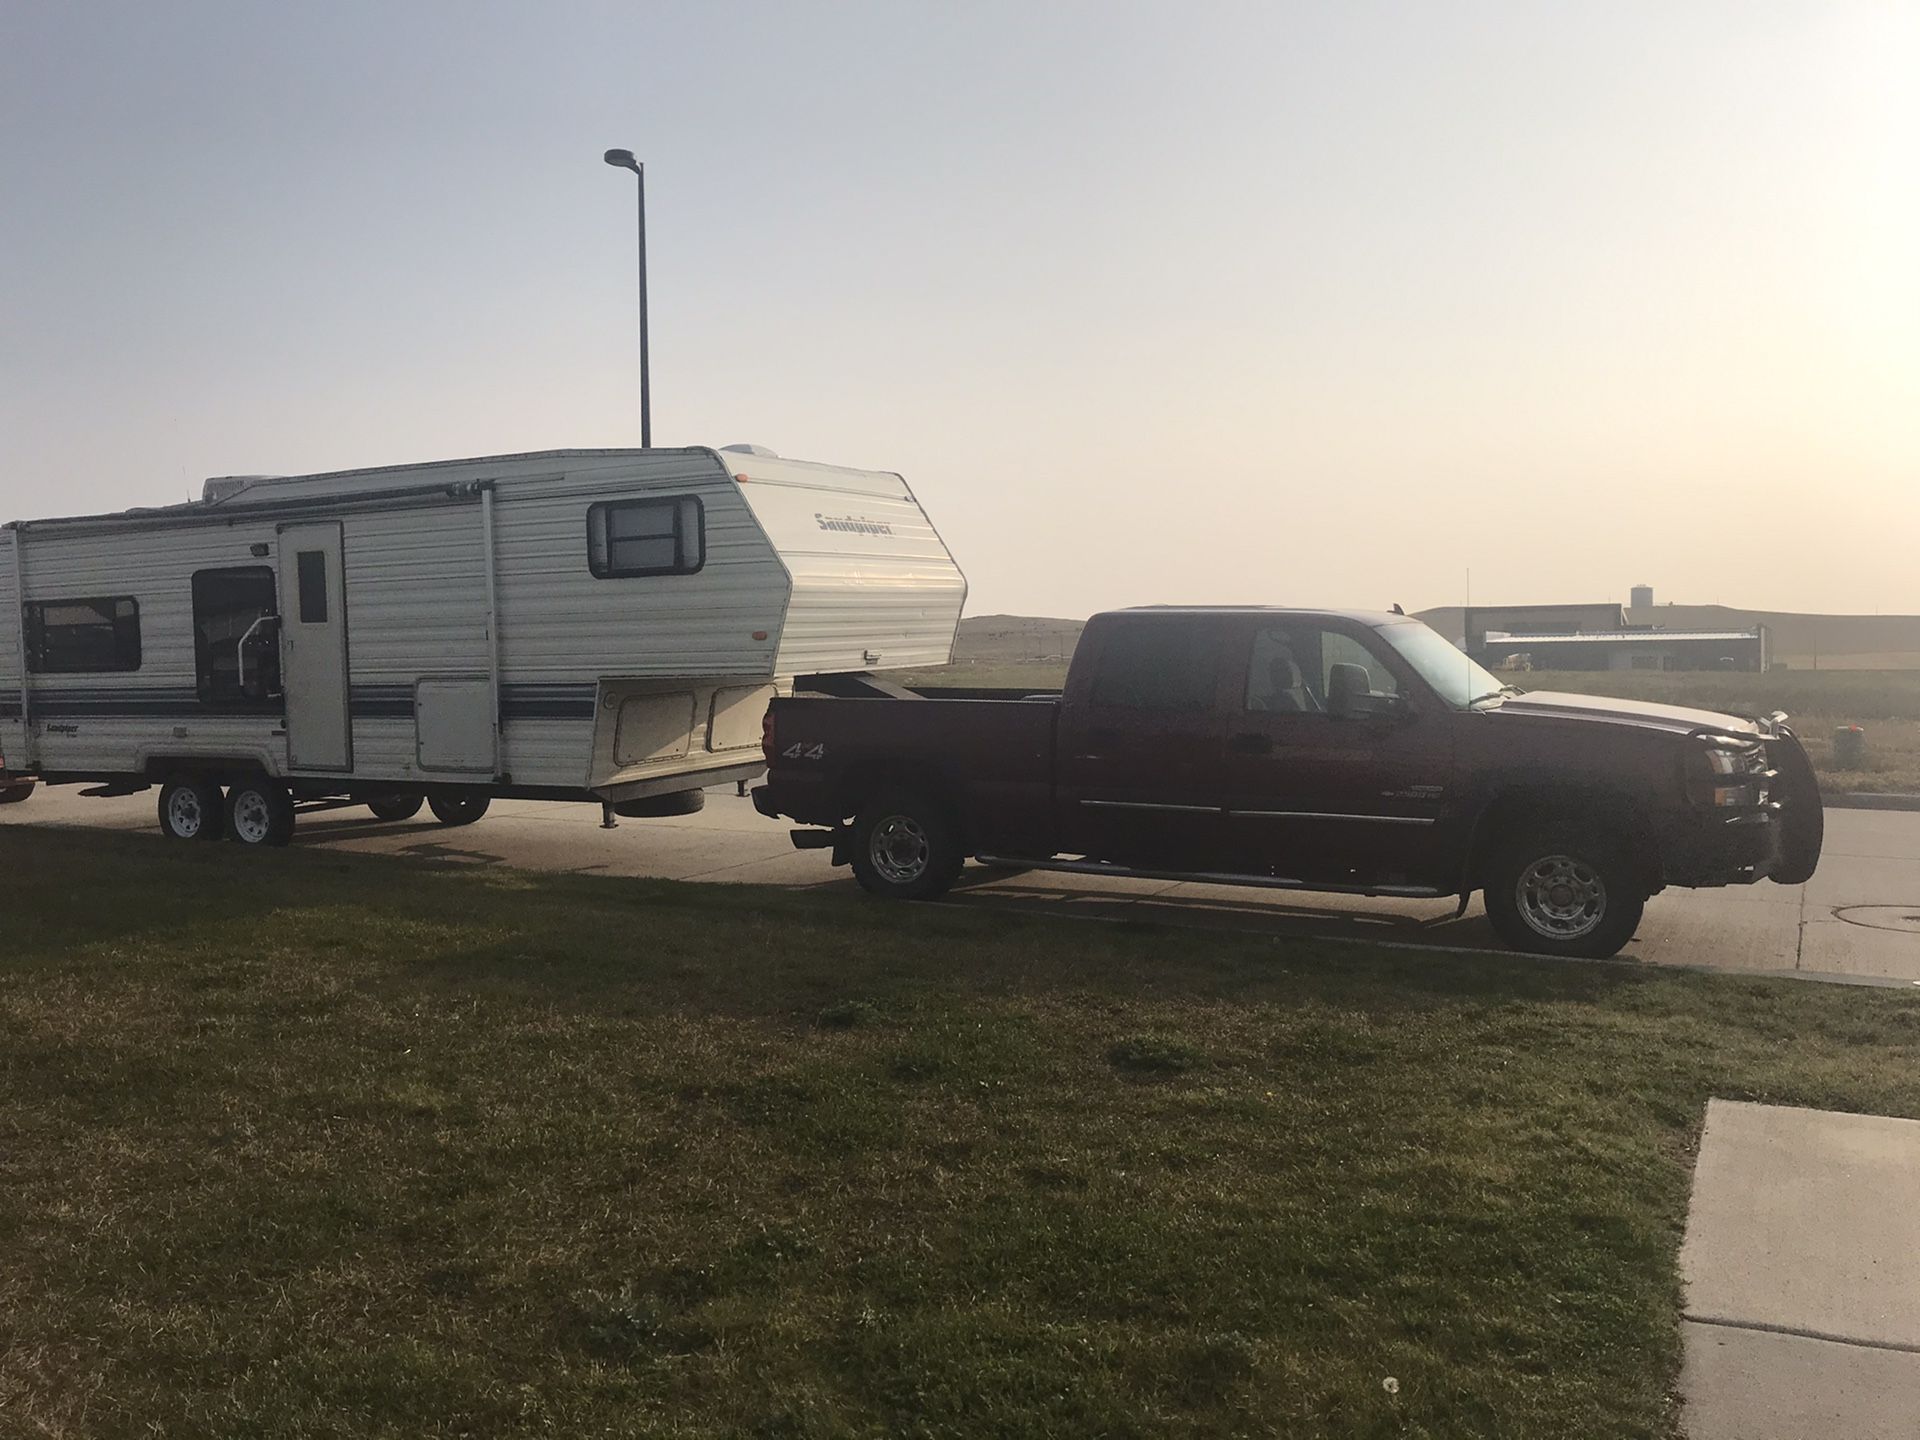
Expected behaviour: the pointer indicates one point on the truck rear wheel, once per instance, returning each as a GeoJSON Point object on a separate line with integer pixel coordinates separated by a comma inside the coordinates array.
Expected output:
{"type": "Point", "coordinates": [1561, 892]}
{"type": "Point", "coordinates": [191, 808]}
{"type": "Point", "coordinates": [905, 847]}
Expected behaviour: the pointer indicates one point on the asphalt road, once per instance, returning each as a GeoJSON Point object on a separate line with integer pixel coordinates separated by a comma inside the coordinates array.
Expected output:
{"type": "Point", "coordinates": [1857, 919]}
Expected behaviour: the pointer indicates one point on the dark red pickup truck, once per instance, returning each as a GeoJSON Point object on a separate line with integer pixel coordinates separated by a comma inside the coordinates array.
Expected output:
{"type": "Point", "coordinates": [1304, 749]}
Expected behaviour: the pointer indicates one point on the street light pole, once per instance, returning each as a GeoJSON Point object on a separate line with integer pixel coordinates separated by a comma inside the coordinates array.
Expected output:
{"type": "Point", "coordinates": [623, 159]}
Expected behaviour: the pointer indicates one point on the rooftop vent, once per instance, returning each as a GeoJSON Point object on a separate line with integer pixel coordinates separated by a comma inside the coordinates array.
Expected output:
{"type": "Point", "coordinates": [762, 451]}
{"type": "Point", "coordinates": [220, 487]}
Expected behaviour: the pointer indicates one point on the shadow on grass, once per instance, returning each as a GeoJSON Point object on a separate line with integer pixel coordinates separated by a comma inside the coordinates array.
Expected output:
{"type": "Point", "coordinates": [589, 942]}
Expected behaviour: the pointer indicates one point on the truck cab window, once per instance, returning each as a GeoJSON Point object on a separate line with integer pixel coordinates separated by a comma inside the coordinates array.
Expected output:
{"type": "Point", "coordinates": [227, 608]}
{"type": "Point", "coordinates": [1290, 669]}
{"type": "Point", "coordinates": [1158, 665]}
{"type": "Point", "coordinates": [1276, 680]}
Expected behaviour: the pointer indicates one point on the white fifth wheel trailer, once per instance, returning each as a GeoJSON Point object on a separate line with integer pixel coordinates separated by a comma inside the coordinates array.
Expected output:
{"type": "Point", "coordinates": [602, 625]}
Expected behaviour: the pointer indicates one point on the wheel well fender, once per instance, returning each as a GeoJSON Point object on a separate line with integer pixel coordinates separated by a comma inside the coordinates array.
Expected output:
{"type": "Point", "coordinates": [157, 769]}
{"type": "Point", "coordinates": [859, 786]}
{"type": "Point", "coordinates": [1518, 809]}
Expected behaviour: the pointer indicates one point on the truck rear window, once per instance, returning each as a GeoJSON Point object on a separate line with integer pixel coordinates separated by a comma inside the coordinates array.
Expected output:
{"type": "Point", "coordinates": [1158, 665]}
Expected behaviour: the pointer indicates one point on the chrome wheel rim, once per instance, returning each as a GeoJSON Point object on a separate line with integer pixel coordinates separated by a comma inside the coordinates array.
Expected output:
{"type": "Point", "coordinates": [251, 818]}
{"type": "Point", "coordinates": [1561, 897]}
{"type": "Point", "coordinates": [184, 815]}
{"type": "Point", "coordinates": [899, 850]}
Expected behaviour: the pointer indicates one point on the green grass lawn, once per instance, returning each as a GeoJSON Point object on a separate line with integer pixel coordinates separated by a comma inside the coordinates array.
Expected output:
{"type": "Point", "coordinates": [310, 1144]}
{"type": "Point", "coordinates": [1885, 702]}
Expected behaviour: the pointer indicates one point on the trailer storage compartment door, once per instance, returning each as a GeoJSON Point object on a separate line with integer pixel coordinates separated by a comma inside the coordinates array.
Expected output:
{"type": "Point", "coordinates": [453, 723]}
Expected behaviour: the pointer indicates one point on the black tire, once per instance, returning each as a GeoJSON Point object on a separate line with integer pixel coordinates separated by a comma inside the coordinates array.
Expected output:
{"type": "Point", "coordinates": [906, 846]}
{"type": "Point", "coordinates": [1566, 892]}
{"type": "Point", "coordinates": [260, 813]}
{"type": "Point", "coordinates": [457, 809]}
{"type": "Point", "coordinates": [16, 791]}
{"type": "Point", "coordinates": [192, 808]}
{"type": "Point", "coordinates": [663, 807]}
{"type": "Point", "coordinates": [398, 807]}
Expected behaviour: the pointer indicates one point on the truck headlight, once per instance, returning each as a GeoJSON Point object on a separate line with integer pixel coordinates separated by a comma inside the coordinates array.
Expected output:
{"type": "Point", "coordinates": [1723, 758]}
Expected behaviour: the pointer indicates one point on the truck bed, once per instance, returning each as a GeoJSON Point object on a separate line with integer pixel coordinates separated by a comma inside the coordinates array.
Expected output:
{"type": "Point", "coordinates": [994, 756]}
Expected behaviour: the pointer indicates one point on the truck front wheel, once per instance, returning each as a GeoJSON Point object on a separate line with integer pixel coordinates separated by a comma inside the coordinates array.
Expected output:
{"type": "Point", "coordinates": [905, 847]}
{"type": "Point", "coordinates": [1560, 892]}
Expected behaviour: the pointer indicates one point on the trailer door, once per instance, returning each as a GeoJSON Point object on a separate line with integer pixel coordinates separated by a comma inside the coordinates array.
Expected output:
{"type": "Point", "coordinates": [313, 647]}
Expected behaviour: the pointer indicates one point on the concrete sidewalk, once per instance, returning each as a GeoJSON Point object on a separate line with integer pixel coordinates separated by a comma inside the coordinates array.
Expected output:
{"type": "Point", "coordinates": [1802, 1269]}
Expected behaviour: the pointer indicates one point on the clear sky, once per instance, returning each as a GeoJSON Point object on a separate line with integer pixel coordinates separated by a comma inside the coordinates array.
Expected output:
{"type": "Point", "coordinates": [1305, 304]}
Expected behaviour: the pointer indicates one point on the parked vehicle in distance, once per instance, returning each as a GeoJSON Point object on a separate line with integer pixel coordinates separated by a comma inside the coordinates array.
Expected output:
{"type": "Point", "coordinates": [1303, 749]}
{"type": "Point", "coordinates": [598, 625]}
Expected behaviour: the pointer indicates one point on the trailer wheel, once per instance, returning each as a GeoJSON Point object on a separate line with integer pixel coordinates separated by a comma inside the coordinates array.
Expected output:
{"type": "Point", "coordinates": [16, 791]}
{"type": "Point", "coordinates": [191, 808]}
{"type": "Point", "coordinates": [457, 810]}
{"type": "Point", "coordinates": [905, 847]}
{"type": "Point", "coordinates": [260, 812]}
{"type": "Point", "coordinates": [1566, 892]}
{"type": "Point", "coordinates": [399, 807]}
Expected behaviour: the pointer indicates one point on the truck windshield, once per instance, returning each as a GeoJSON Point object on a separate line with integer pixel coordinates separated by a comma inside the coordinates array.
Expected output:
{"type": "Point", "coordinates": [1458, 679]}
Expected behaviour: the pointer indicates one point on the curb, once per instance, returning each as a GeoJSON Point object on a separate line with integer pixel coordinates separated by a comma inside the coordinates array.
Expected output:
{"type": "Point", "coordinates": [1870, 801]}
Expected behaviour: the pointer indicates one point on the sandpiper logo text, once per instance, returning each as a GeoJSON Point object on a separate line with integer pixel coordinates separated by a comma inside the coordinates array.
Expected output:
{"type": "Point", "coordinates": [852, 523]}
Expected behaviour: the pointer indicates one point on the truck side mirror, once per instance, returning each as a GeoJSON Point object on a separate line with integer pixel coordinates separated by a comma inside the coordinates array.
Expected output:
{"type": "Point", "coordinates": [1348, 688]}
{"type": "Point", "coordinates": [1350, 696]}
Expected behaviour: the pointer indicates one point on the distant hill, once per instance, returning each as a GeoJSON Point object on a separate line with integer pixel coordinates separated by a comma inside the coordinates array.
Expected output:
{"type": "Point", "coordinates": [1015, 639]}
{"type": "Point", "coordinates": [1804, 642]}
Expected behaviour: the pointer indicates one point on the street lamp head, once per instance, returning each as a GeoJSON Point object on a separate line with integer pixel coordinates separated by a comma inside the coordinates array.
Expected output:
{"type": "Point", "coordinates": [623, 158]}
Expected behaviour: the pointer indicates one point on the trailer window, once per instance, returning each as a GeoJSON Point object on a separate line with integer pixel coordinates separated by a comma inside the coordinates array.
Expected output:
{"type": "Point", "coordinates": [80, 637]}
{"type": "Point", "coordinates": [227, 606]}
{"type": "Point", "coordinates": [665, 536]}
{"type": "Point", "coordinates": [1158, 665]}
{"type": "Point", "coordinates": [312, 566]}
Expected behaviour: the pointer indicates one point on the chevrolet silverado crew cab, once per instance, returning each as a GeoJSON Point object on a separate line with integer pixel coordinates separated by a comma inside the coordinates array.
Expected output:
{"type": "Point", "coordinates": [1303, 749]}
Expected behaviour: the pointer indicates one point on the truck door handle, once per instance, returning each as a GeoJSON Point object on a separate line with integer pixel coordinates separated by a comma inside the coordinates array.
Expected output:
{"type": "Point", "coordinates": [1251, 744]}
